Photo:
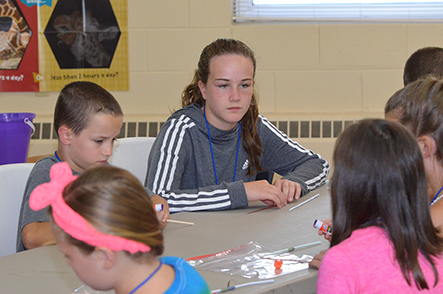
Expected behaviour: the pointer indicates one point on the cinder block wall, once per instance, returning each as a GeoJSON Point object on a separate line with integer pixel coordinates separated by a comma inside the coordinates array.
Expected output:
{"type": "Point", "coordinates": [312, 79]}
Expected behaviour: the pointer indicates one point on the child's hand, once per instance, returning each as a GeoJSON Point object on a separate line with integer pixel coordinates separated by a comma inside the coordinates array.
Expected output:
{"type": "Point", "coordinates": [163, 215]}
{"type": "Point", "coordinates": [327, 236]}
{"type": "Point", "coordinates": [316, 261]}
{"type": "Point", "coordinates": [262, 190]}
{"type": "Point", "coordinates": [291, 190]}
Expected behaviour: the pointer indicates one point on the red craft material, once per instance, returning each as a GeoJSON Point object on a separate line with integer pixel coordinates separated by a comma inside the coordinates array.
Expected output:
{"type": "Point", "coordinates": [278, 263]}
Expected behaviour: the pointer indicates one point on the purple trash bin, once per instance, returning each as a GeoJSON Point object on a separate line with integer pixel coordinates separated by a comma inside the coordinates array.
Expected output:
{"type": "Point", "coordinates": [16, 130]}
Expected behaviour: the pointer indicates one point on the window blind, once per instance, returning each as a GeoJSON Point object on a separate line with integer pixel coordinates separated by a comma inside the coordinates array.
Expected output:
{"type": "Point", "coordinates": [338, 10]}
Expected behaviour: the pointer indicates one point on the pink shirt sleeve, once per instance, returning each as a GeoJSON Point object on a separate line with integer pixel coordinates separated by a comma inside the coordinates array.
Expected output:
{"type": "Point", "coordinates": [337, 273]}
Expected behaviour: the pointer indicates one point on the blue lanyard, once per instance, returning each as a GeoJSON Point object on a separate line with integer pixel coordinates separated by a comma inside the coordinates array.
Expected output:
{"type": "Point", "coordinates": [147, 279]}
{"type": "Point", "coordinates": [56, 155]}
{"type": "Point", "coordinates": [212, 152]}
{"type": "Point", "coordinates": [435, 197]}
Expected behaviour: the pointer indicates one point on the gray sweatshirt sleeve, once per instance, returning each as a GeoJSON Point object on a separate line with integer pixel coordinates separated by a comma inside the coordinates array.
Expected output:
{"type": "Point", "coordinates": [291, 160]}
{"type": "Point", "coordinates": [179, 173]}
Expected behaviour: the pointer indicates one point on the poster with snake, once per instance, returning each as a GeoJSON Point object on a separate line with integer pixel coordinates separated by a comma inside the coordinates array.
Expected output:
{"type": "Point", "coordinates": [18, 47]}
{"type": "Point", "coordinates": [45, 44]}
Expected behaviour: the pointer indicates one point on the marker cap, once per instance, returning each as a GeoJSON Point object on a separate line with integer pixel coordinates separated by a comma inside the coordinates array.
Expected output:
{"type": "Point", "coordinates": [158, 207]}
{"type": "Point", "coordinates": [324, 227]}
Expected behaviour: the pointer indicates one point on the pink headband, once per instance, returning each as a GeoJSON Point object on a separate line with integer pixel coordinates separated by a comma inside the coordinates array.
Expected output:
{"type": "Point", "coordinates": [70, 221]}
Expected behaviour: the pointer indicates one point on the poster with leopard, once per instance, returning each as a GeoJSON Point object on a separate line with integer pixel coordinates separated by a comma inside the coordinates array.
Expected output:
{"type": "Point", "coordinates": [84, 40]}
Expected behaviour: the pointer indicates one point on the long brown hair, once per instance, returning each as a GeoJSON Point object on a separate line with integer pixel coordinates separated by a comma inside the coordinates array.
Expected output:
{"type": "Point", "coordinates": [114, 202]}
{"type": "Point", "coordinates": [192, 94]}
{"type": "Point", "coordinates": [379, 180]}
{"type": "Point", "coordinates": [419, 107]}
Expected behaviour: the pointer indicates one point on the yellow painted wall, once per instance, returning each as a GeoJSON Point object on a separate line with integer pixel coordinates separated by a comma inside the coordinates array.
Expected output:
{"type": "Point", "coordinates": [305, 71]}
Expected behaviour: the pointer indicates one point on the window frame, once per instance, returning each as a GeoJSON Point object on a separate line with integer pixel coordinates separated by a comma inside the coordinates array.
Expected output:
{"type": "Point", "coordinates": [428, 12]}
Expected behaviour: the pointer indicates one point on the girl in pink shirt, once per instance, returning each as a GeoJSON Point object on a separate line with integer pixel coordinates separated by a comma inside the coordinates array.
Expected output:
{"type": "Point", "coordinates": [383, 240]}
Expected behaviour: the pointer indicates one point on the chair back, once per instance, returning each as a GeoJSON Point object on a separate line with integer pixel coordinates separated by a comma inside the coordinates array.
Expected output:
{"type": "Point", "coordinates": [13, 178]}
{"type": "Point", "coordinates": [132, 154]}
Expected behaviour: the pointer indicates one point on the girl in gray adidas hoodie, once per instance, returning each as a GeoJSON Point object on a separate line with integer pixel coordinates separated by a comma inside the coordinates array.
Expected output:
{"type": "Point", "coordinates": [207, 154]}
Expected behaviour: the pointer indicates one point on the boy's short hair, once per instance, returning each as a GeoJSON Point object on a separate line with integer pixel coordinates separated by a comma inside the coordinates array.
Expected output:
{"type": "Point", "coordinates": [78, 101]}
{"type": "Point", "coordinates": [427, 61]}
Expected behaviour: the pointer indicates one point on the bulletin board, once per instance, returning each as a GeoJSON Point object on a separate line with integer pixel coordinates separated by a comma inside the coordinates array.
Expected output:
{"type": "Point", "coordinates": [45, 45]}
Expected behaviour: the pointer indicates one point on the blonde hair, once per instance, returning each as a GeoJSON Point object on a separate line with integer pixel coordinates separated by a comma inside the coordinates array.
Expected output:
{"type": "Point", "coordinates": [114, 202]}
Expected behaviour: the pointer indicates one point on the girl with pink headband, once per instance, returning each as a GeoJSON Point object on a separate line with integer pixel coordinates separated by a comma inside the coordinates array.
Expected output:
{"type": "Point", "coordinates": [105, 225]}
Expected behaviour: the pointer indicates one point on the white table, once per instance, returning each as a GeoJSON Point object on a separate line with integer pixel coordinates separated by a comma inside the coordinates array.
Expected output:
{"type": "Point", "coordinates": [44, 270]}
